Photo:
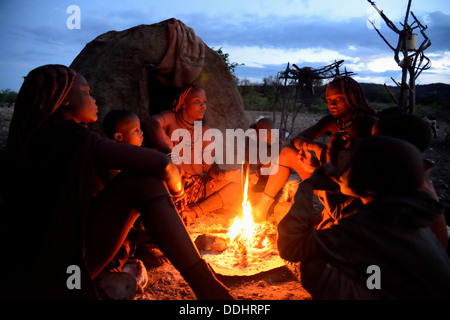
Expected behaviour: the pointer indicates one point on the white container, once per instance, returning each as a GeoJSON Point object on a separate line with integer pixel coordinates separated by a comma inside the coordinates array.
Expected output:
{"type": "Point", "coordinates": [411, 42]}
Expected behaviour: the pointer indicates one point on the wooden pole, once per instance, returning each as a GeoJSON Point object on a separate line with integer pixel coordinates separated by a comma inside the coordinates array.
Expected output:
{"type": "Point", "coordinates": [411, 64]}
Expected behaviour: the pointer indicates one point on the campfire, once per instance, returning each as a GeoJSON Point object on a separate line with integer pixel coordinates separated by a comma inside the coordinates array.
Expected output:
{"type": "Point", "coordinates": [245, 248]}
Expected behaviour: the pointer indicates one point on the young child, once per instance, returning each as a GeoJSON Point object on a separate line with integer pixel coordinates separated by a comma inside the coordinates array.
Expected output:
{"type": "Point", "coordinates": [263, 129]}
{"type": "Point", "coordinates": [390, 233]}
{"type": "Point", "coordinates": [349, 114]}
{"type": "Point", "coordinates": [64, 228]}
{"type": "Point", "coordinates": [123, 126]}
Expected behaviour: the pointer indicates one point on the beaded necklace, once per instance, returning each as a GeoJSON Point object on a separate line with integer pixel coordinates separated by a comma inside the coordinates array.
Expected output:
{"type": "Point", "coordinates": [190, 127]}
{"type": "Point", "coordinates": [344, 126]}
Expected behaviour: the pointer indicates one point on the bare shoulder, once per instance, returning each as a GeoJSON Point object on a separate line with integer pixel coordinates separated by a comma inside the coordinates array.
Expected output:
{"type": "Point", "coordinates": [165, 118]}
{"type": "Point", "coordinates": [168, 114]}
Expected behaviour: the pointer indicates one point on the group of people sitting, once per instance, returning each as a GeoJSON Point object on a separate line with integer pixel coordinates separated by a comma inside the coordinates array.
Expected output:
{"type": "Point", "coordinates": [72, 197]}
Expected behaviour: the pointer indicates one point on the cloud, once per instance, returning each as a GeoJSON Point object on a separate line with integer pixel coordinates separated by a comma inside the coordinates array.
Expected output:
{"type": "Point", "coordinates": [259, 57]}
{"type": "Point", "coordinates": [284, 32]}
{"type": "Point", "coordinates": [290, 32]}
{"type": "Point", "coordinates": [375, 64]}
{"type": "Point", "coordinates": [438, 30]}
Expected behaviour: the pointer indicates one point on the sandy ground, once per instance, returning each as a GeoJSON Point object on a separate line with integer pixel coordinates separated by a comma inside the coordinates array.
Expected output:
{"type": "Point", "coordinates": [280, 283]}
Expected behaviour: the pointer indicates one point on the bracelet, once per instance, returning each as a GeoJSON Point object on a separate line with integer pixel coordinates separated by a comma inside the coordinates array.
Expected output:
{"type": "Point", "coordinates": [179, 195]}
{"type": "Point", "coordinates": [173, 157]}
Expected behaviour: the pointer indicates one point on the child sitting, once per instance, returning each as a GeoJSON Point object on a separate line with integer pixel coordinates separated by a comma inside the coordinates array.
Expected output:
{"type": "Point", "coordinates": [124, 126]}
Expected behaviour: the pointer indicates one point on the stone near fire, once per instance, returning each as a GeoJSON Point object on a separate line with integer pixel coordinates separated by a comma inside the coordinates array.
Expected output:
{"type": "Point", "coordinates": [210, 242]}
{"type": "Point", "coordinates": [121, 68]}
{"type": "Point", "coordinates": [116, 285]}
{"type": "Point", "coordinates": [137, 269]}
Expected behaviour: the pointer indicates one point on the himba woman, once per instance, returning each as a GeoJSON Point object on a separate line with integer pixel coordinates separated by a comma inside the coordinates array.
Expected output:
{"type": "Point", "coordinates": [57, 219]}
{"type": "Point", "coordinates": [208, 188]}
{"type": "Point", "coordinates": [350, 115]}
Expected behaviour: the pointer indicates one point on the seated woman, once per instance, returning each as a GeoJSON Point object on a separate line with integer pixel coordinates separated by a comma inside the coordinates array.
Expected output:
{"type": "Point", "coordinates": [391, 233]}
{"type": "Point", "coordinates": [207, 187]}
{"type": "Point", "coordinates": [55, 217]}
{"type": "Point", "coordinates": [350, 114]}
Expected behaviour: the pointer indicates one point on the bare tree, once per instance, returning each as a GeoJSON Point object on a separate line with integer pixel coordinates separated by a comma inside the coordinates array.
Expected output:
{"type": "Point", "coordinates": [412, 60]}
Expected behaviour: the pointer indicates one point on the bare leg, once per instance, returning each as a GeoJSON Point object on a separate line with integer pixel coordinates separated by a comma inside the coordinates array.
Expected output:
{"type": "Point", "coordinates": [288, 159]}
{"type": "Point", "coordinates": [220, 195]}
{"type": "Point", "coordinates": [277, 181]}
{"type": "Point", "coordinates": [231, 194]}
{"type": "Point", "coordinates": [112, 218]}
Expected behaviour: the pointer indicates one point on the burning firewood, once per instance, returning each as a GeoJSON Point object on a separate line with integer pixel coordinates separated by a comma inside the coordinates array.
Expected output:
{"type": "Point", "coordinates": [245, 248]}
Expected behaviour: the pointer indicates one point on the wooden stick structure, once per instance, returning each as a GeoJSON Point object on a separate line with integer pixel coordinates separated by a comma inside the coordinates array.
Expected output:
{"type": "Point", "coordinates": [413, 60]}
{"type": "Point", "coordinates": [295, 85]}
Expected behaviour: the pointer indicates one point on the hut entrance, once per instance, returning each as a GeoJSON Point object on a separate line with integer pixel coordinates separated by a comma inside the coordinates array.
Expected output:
{"type": "Point", "coordinates": [160, 96]}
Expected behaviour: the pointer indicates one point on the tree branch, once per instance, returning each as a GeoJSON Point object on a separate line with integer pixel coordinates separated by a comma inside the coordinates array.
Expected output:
{"type": "Point", "coordinates": [389, 23]}
{"type": "Point", "coordinates": [382, 37]}
{"type": "Point", "coordinates": [391, 94]}
{"type": "Point", "coordinates": [398, 85]}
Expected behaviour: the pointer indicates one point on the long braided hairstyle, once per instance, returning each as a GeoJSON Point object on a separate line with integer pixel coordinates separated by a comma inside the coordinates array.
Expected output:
{"type": "Point", "coordinates": [42, 92]}
{"type": "Point", "coordinates": [182, 97]}
{"type": "Point", "coordinates": [353, 93]}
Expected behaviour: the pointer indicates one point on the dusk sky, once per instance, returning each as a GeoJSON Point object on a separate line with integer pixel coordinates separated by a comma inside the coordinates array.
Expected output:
{"type": "Point", "coordinates": [263, 35]}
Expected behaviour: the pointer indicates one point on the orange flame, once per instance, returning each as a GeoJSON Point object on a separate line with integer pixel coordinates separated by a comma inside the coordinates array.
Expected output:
{"type": "Point", "coordinates": [243, 226]}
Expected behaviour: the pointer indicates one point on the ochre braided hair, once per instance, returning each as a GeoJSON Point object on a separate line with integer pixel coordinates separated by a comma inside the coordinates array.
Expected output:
{"type": "Point", "coordinates": [182, 97]}
{"type": "Point", "coordinates": [42, 92]}
{"type": "Point", "coordinates": [353, 93]}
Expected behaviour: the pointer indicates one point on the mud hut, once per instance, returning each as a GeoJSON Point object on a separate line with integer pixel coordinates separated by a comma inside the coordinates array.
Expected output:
{"type": "Point", "coordinates": [143, 68]}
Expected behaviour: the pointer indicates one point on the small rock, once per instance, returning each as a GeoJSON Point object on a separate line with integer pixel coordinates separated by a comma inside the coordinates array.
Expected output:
{"type": "Point", "coordinates": [288, 296]}
{"type": "Point", "coordinates": [209, 242]}
{"type": "Point", "coordinates": [136, 268]}
{"type": "Point", "coordinates": [261, 283]}
{"type": "Point", "coordinates": [116, 285]}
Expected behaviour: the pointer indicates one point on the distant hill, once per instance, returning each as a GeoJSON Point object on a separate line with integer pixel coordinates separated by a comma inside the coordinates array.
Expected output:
{"type": "Point", "coordinates": [431, 99]}
{"type": "Point", "coordinates": [425, 94]}
{"type": "Point", "coordinates": [436, 92]}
